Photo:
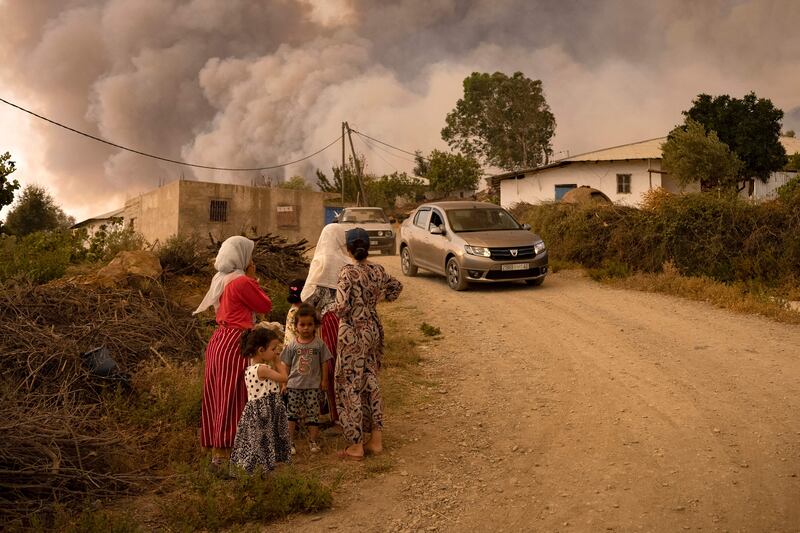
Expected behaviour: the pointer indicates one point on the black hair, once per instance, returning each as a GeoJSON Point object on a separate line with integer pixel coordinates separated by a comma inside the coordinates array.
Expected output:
{"type": "Point", "coordinates": [253, 339]}
{"type": "Point", "coordinates": [295, 288]}
{"type": "Point", "coordinates": [306, 310]}
{"type": "Point", "coordinates": [359, 248]}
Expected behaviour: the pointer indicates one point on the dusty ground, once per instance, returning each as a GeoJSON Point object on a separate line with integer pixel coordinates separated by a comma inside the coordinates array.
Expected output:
{"type": "Point", "coordinates": [576, 407]}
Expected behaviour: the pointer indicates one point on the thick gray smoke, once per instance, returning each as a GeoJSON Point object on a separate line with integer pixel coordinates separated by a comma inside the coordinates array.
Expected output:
{"type": "Point", "coordinates": [243, 83]}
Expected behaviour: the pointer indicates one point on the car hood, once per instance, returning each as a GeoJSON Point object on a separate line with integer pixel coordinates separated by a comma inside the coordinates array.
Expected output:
{"type": "Point", "coordinates": [499, 239]}
{"type": "Point", "coordinates": [375, 226]}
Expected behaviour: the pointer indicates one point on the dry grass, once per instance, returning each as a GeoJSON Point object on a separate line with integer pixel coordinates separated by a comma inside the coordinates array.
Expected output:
{"type": "Point", "coordinates": [739, 298]}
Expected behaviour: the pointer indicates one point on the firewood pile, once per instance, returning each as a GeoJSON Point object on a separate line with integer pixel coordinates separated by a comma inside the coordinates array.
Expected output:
{"type": "Point", "coordinates": [275, 257]}
{"type": "Point", "coordinates": [58, 445]}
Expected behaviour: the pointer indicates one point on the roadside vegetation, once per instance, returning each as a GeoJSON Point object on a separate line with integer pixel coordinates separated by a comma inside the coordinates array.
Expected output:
{"type": "Point", "coordinates": [711, 246]}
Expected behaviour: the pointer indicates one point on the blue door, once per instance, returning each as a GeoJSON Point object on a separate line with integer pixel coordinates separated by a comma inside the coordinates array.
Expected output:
{"type": "Point", "coordinates": [561, 190]}
{"type": "Point", "coordinates": [330, 214]}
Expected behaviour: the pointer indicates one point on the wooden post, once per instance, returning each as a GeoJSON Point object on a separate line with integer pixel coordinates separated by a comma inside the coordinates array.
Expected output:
{"type": "Point", "coordinates": [357, 163]}
{"type": "Point", "coordinates": [341, 169]}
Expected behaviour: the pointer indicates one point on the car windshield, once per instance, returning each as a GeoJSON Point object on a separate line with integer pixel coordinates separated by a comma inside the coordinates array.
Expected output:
{"type": "Point", "coordinates": [480, 219]}
{"type": "Point", "coordinates": [364, 215]}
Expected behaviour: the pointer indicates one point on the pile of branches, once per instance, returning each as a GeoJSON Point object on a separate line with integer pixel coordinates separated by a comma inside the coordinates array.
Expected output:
{"type": "Point", "coordinates": [275, 257]}
{"type": "Point", "coordinates": [58, 446]}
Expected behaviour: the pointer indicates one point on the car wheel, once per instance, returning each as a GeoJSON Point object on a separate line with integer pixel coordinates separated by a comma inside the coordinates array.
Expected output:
{"type": "Point", "coordinates": [535, 282]}
{"type": "Point", "coordinates": [455, 277]}
{"type": "Point", "coordinates": [408, 266]}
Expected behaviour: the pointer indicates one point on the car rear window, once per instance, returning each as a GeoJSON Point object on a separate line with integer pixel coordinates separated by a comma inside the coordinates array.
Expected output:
{"type": "Point", "coordinates": [472, 219]}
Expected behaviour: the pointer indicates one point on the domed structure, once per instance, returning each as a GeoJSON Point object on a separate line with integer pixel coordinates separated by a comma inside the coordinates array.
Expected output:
{"type": "Point", "coordinates": [585, 194]}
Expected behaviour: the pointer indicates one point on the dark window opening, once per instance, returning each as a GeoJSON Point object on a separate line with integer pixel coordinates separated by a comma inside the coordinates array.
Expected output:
{"type": "Point", "coordinates": [218, 211]}
{"type": "Point", "coordinates": [623, 183]}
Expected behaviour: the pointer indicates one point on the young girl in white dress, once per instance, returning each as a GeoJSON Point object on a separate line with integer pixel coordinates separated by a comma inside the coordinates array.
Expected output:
{"type": "Point", "coordinates": [262, 437]}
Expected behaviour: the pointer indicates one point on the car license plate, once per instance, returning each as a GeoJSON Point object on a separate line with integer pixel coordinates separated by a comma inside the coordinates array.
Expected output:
{"type": "Point", "coordinates": [372, 243]}
{"type": "Point", "coordinates": [515, 266]}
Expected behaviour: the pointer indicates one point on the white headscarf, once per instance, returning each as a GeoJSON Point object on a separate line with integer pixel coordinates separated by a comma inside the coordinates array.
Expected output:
{"type": "Point", "coordinates": [232, 259]}
{"type": "Point", "coordinates": [330, 256]}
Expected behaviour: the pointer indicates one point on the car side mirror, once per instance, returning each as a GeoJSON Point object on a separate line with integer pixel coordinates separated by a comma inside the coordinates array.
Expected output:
{"type": "Point", "coordinates": [526, 227]}
{"type": "Point", "coordinates": [437, 230]}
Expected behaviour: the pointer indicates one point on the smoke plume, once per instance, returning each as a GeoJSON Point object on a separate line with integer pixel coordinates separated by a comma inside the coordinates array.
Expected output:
{"type": "Point", "coordinates": [242, 83]}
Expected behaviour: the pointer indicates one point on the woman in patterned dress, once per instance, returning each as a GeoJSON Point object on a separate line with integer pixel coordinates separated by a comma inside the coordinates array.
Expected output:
{"type": "Point", "coordinates": [360, 347]}
{"type": "Point", "coordinates": [235, 296]}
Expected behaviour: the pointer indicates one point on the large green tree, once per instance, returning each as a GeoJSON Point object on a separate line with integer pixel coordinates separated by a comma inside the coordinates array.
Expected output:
{"type": "Point", "coordinates": [751, 128]}
{"type": "Point", "coordinates": [35, 210]}
{"type": "Point", "coordinates": [692, 154]}
{"type": "Point", "coordinates": [503, 120]}
{"type": "Point", "coordinates": [7, 186]}
{"type": "Point", "coordinates": [448, 172]}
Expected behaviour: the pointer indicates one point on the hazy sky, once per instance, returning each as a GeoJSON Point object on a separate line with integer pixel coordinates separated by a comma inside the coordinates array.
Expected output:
{"type": "Point", "coordinates": [244, 83]}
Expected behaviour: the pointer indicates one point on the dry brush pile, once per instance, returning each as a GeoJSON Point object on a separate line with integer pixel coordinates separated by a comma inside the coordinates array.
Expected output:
{"type": "Point", "coordinates": [57, 444]}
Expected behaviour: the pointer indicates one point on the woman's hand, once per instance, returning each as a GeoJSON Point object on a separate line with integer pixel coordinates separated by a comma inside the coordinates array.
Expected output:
{"type": "Point", "coordinates": [250, 271]}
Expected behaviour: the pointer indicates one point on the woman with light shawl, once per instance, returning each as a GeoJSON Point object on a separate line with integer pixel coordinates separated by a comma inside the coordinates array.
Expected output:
{"type": "Point", "coordinates": [235, 296]}
{"type": "Point", "coordinates": [330, 256]}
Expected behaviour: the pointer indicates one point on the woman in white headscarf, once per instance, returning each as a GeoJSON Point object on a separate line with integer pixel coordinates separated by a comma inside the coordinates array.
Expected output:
{"type": "Point", "coordinates": [319, 290]}
{"type": "Point", "coordinates": [235, 296]}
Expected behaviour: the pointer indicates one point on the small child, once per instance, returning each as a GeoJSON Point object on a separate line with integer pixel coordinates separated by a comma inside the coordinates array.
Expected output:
{"type": "Point", "coordinates": [295, 288]}
{"type": "Point", "coordinates": [262, 437]}
{"type": "Point", "coordinates": [308, 374]}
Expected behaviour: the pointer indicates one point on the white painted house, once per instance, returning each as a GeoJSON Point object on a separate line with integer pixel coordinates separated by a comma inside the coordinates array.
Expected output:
{"type": "Point", "coordinates": [624, 173]}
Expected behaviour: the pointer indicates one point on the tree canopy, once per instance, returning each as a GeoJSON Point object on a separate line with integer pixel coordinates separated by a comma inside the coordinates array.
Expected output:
{"type": "Point", "coordinates": [505, 121]}
{"type": "Point", "coordinates": [35, 210]}
{"type": "Point", "coordinates": [751, 128]}
{"type": "Point", "coordinates": [7, 186]}
{"type": "Point", "coordinates": [692, 154]}
{"type": "Point", "coordinates": [296, 183]}
{"type": "Point", "coordinates": [382, 191]}
{"type": "Point", "coordinates": [448, 172]}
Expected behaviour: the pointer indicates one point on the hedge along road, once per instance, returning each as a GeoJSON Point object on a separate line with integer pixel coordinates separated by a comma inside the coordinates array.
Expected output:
{"type": "Point", "coordinates": [577, 407]}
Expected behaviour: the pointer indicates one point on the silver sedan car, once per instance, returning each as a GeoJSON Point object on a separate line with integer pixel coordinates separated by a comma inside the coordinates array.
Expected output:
{"type": "Point", "coordinates": [471, 242]}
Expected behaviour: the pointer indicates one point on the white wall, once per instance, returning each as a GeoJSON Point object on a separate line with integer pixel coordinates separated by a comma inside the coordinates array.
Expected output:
{"type": "Point", "coordinates": [540, 186]}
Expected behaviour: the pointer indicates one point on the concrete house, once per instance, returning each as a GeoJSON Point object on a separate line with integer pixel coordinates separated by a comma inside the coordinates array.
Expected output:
{"type": "Point", "coordinates": [186, 207]}
{"type": "Point", "coordinates": [623, 173]}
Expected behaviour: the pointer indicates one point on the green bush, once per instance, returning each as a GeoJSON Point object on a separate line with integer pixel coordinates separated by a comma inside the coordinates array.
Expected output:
{"type": "Point", "coordinates": [39, 257]}
{"type": "Point", "coordinates": [182, 255]}
{"type": "Point", "coordinates": [113, 238]}
{"type": "Point", "coordinates": [720, 236]}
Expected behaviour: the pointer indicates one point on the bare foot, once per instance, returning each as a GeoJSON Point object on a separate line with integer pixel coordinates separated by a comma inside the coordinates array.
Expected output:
{"type": "Point", "coordinates": [373, 449]}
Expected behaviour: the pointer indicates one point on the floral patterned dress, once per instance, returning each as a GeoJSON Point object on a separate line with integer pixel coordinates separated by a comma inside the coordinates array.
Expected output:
{"type": "Point", "coordinates": [262, 438]}
{"type": "Point", "coordinates": [360, 346]}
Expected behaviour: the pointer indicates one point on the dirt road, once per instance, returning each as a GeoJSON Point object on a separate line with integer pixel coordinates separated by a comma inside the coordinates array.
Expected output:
{"type": "Point", "coordinates": [576, 407]}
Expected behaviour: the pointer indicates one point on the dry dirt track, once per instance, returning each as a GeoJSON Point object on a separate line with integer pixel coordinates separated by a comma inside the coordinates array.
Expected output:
{"type": "Point", "coordinates": [576, 407]}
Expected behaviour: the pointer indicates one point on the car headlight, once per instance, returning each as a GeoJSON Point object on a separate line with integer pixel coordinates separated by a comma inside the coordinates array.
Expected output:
{"type": "Point", "coordinates": [477, 250]}
{"type": "Point", "coordinates": [388, 233]}
{"type": "Point", "coordinates": [380, 234]}
{"type": "Point", "coordinates": [539, 247]}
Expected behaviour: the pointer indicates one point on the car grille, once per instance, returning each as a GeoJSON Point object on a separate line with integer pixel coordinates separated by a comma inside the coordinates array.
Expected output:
{"type": "Point", "coordinates": [505, 254]}
{"type": "Point", "coordinates": [374, 232]}
{"type": "Point", "coordinates": [513, 274]}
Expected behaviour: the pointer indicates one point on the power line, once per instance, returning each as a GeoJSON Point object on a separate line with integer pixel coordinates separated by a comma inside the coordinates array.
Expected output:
{"type": "Point", "coordinates": [168, 160]}
{"type": "Point", "coordinates": [389, 145]}
{"type": "Point", "coordinates": [386, 151]}
{"type": "Point", "coordinates": [375, 151]}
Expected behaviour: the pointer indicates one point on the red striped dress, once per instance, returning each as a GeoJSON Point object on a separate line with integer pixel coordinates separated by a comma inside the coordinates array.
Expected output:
{"type": "Point", "coordinates": [330, 336]}
{"type": "Point", "coordinates": [224, 391]}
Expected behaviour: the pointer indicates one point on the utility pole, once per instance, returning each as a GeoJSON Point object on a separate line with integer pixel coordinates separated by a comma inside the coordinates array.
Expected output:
{"type": "Point", "coordinates": [363, 195]}
{"type": "Point", "coordinates": [341, 169]}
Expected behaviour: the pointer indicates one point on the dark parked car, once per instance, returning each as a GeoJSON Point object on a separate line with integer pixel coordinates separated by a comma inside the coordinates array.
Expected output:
{"type": "Point", "coordinates": [471, 242]}
{"type": "Point", "coordinates": [372, 219]}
